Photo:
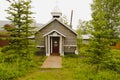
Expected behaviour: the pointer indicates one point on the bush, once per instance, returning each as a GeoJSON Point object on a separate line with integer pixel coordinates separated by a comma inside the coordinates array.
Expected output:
{"type": "Point", "coordinates": [111, 62]}
{"type": "Point", "coordinates": [4, 49]}
{"type": "Point", "coordinates": [10, 71]}
{"type": "Point", "coordinates": [15, 64]}
{"type": "Point", "coordinates": [83, 51]}
{"type": "Point", "coordinates": [114, 63]}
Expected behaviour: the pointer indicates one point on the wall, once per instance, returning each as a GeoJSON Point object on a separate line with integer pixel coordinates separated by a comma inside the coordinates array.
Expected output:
{"type": "Point", "coordinates": [3, 41]}
{"type": "Point", "coordinates": [70, 38]}
{"type": "Point", "coordinates": [117, 46]}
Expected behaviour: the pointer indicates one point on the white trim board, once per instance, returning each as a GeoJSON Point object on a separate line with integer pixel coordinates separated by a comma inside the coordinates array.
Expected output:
{"type": "Point", "coordinates": [70, 45]}
{"type": "Point", "coordinates": [54, 31]}
{"type": "Point", "coordinates": [39, 46]}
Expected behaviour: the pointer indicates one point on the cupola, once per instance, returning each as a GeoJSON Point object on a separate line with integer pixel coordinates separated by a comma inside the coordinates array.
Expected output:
{"type": "Point", "coordinates": [56, 13]}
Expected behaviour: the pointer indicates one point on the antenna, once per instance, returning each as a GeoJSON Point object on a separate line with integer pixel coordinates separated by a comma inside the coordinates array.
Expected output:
{"type": "Point", "coordinates": [71, 18]}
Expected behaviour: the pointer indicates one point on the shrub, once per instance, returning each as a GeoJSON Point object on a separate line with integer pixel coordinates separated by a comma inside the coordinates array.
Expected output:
{"type": "Point", "coordinates": [83, 51]}
{"type": "Point", "coordinates": [4, 49]}
{"type": "Point", "coordinates": [15, 64]}
{"type": "Point", "coordinates": [114, 63]}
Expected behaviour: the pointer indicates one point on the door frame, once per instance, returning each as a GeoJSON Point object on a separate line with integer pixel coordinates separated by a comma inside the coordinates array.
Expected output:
{"type": "Point", "coordinates": [48, 44]}
{"type": "Point", "coordinates": [51, 42]}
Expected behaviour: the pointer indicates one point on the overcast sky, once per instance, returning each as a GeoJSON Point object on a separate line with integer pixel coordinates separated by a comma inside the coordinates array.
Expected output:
{"type": "Point", "coordinates": [43, 8]}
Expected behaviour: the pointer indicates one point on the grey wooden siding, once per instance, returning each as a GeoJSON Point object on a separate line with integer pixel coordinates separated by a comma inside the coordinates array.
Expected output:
{"type": "Point", "coordinates": [39, 39]}
{"type": "Point", "coordinates": [69, 49]}
{"type": "Point", "coordinates": [70, 38]}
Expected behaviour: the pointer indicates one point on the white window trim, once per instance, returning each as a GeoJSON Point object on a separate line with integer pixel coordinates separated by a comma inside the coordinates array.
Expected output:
{"type": "Point", "coordinates": [70, 45]}
{"type": "Point", "coordinates": [39, 46]}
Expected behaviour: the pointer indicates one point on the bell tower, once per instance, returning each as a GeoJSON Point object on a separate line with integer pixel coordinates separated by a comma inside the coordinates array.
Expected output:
{"type": "Point", "coordinates": [56, 13]}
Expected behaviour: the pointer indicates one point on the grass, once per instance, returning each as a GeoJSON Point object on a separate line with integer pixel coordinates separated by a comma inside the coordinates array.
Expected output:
{"type": "Point", "coordinates": [49, 74]}
{"type": "Point", "coordinates": [0, 49]}
{"type": "Point", "coordinates": [34, 71]}
{"type": "Point", "coordinates": [74, 68]}
{"type": "Point", "coordinates": [13, 65]}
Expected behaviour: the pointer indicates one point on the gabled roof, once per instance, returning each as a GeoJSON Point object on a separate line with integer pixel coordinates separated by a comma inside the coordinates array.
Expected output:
{"type": "Point", "coordinates": [52, 32]}
{"type": "Point", "coordinates": [2, 23]}
{"type": "Point", "coordinates": [59, 22]}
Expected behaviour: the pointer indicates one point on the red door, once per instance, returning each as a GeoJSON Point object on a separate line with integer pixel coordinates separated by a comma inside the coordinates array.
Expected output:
{"type": "Point", "coordinates": [55, 43]}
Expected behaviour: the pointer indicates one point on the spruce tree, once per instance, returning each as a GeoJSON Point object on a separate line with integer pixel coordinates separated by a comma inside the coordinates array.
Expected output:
{"type": "Point", "coordinates": [106, 19]}
{"type": "Point", "coordinates": [20, 16]}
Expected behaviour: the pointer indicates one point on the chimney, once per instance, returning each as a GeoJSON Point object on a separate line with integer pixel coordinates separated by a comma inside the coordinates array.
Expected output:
{"type": "Point", "coordinates": [71, 19]}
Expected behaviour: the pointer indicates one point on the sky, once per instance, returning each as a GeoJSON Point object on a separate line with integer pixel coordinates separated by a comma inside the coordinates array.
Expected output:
{"type": "Point", "coordinates": [42, 9]}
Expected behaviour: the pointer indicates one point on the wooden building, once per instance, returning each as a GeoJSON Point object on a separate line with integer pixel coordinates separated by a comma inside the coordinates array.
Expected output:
{"type": "Point", "coordinates": [4, 38]}
{"type": "Point", "coordinates": [56, 38]}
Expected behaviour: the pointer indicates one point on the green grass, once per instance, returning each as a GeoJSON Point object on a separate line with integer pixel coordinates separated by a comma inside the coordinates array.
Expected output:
{"type": "Point", "coordinates": [13, 65]}
{"type": "Point", "coordinates": [74, 68]}
{"type": "Point", "coordinates": [0, 49]}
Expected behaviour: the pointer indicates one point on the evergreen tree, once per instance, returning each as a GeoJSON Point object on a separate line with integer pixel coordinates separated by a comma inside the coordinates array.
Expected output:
{"type": "Point", "coordinates": [20, 16]}
{"type": "Point", "coordinates": [106, 19]}
{"type": "Point", "coordinates": [79, 40]}
{"type": "Point", "coordinates": [84, 26]}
